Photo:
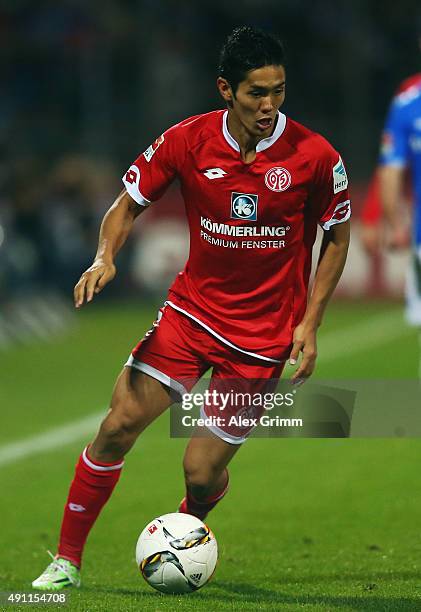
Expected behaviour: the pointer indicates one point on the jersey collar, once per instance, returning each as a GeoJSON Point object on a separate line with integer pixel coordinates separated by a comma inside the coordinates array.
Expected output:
{"type": "Point", "coordinates": [263, 144]}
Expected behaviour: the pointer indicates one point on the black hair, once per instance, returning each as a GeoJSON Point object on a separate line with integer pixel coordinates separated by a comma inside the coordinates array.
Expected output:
{"type": "Point", "coordinates": [245, 49]}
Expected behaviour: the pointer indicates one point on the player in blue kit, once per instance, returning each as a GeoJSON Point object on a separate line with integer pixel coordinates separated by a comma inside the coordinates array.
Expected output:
{"type": "Point", "coordinates": [401, 149]}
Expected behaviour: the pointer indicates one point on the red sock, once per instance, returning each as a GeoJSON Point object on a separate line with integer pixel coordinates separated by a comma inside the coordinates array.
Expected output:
{"type": "Point", "coordinates": [91, 487]}
{"type": "Point", "coordinates": [191, 505]}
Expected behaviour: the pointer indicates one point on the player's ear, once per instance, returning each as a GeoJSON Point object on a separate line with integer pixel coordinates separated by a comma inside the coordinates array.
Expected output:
{"type": "Point", "coordinates": [224, 89]}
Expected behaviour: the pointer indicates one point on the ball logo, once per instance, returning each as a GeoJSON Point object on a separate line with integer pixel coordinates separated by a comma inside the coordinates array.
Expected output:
{"type": "Point", "coordinates": [244, 206]}
{"type": "Point", "coordinates": [277, 179]}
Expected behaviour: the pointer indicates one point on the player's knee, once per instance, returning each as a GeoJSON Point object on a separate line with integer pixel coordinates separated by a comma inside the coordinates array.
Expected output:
{"type": "Point", "coordinates": [119, 432]}
{"type": "Point", "coordinates": [121, 426]}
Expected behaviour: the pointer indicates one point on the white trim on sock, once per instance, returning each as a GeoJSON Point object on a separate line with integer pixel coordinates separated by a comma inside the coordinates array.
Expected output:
{"type": "Point", "coordinates": [100, 468]}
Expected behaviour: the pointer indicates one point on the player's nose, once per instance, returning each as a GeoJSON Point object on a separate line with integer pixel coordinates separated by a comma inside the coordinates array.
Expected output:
{"type": "Point", "coordinates": [266, 105]}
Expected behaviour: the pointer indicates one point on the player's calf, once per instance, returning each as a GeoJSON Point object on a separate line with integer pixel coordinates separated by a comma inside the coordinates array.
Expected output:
{"type": "Point", "coordinates": [202, 497]}
{"type": "Point", "coordinates": [205, 472]}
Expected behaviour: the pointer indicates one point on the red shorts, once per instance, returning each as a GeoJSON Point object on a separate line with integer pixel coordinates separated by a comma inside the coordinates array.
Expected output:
{"type": "Point", "coordinates": [177, 351]}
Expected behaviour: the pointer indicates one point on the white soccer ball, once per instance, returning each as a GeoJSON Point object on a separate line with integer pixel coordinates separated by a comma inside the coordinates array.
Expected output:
{"type": "Point", "coordinates": [176, 553]}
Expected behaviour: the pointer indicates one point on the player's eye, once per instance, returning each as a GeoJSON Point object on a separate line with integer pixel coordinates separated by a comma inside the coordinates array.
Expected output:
{"type": "Point", "coordinates": [255, 94]}
{"type": "Point", "coordinates": [280, 91]}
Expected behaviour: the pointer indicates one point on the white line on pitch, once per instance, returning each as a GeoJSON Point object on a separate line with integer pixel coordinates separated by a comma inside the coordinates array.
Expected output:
{"type": "Point", "coordinates": [50, 440]}
{"type": "Point", "coordinates": [334, 345]}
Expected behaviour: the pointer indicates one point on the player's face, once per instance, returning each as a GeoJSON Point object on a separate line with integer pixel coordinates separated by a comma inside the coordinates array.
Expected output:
{"type": "Point", "coordinates": [258, 99]}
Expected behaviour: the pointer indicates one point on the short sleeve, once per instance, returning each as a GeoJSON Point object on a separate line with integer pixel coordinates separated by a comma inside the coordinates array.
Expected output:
{"type": "Point", "coordinates": [154, 170]}
{"type": "Point", "coordinates": [330, 199]}
{"type": "Point", "coordinates": [394, 150]}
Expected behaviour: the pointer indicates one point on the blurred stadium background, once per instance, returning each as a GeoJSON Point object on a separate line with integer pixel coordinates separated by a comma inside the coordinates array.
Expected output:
{"type": "Point", "coordinates": [86, 87]}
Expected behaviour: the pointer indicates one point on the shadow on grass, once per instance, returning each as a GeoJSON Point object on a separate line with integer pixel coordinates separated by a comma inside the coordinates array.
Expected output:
{"type": "Point", "coordinates": [244, 593]}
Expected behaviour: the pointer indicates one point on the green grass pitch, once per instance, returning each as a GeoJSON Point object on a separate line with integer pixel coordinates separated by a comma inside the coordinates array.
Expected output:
{"type": "Point", "coordinates": [315, 525]}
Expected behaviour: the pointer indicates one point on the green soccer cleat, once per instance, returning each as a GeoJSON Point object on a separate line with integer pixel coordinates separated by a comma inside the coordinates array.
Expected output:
{"type": "Point", "coordinates": [60, 574]}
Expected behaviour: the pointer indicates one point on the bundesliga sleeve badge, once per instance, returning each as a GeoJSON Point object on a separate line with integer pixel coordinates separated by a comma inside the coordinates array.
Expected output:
{"type": "Point", "coordinates": [340, 179]}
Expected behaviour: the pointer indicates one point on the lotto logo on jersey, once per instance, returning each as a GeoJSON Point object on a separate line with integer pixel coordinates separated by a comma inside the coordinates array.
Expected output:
{"type": "Point", "coordinates": [340, 179]}
{"type": "Point", "coordinates": [244, 206]}
{"type": "Point", "coordinates": [214, 173]}
{"type": "Point", "coordinates": [150, 151]}
{"type": "Point", "coordinates": [131, 182]}
{"type": "Point", "coordinates": [341, 213]}
{"type": "Point", "coordinates": [132, 175]}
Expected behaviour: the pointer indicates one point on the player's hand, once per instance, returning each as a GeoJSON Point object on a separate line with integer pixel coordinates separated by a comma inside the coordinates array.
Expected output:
{"type": "Point", "coordinates": [304, 341]}
{"type": "Point", "coordinates": [371, 236]}
{"type": "Point", "coordinates": [93, 280]}
{"type": "Point", "coordinates": [399, 238]}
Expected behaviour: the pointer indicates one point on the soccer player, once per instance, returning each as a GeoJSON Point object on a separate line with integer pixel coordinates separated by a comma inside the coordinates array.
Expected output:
{"type": "Point", "coordinates": [401, 149]}
{"type": "Point", "coordinates": [372, 212]}
{"type": "Point", "coordinates": [400, 167]}
{"type": "Point", "coordinates": [371, 216]}
{"type": "Point", "coordinates": [255, 184]}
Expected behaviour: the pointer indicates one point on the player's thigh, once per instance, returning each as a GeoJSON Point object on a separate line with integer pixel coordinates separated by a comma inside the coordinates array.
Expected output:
{"type": "Point", "coordinates": [237, 389]}
{"type": "Point", "coordinates": [207, 455]}
{"type": "Point", "coordinates": [137, 400]}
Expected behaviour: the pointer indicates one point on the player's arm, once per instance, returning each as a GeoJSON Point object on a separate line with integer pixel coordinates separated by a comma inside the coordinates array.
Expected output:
{"type": "Point", "coordinates": [115, 228]}
{"type": "Point", "coordinates": [145, 181]}
{"type": "Point", "coordinates": [394, 157]}
{"type": "Point", "coordinates": [391, 193]}
{"type": "Point", "coordinates": [333, 253]}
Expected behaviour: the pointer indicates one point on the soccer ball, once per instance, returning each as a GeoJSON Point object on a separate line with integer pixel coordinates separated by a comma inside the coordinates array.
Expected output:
{"type": "Point", "coordinates": [176, 553]}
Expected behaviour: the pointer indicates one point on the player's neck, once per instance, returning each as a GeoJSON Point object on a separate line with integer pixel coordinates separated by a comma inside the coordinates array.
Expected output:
{"type": "Point", "coordinates": [246, 141]}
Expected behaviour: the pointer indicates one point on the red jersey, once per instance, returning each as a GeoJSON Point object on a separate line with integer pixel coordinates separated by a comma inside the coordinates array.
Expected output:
{"type": "Point", "coordinates": [252, 225]}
